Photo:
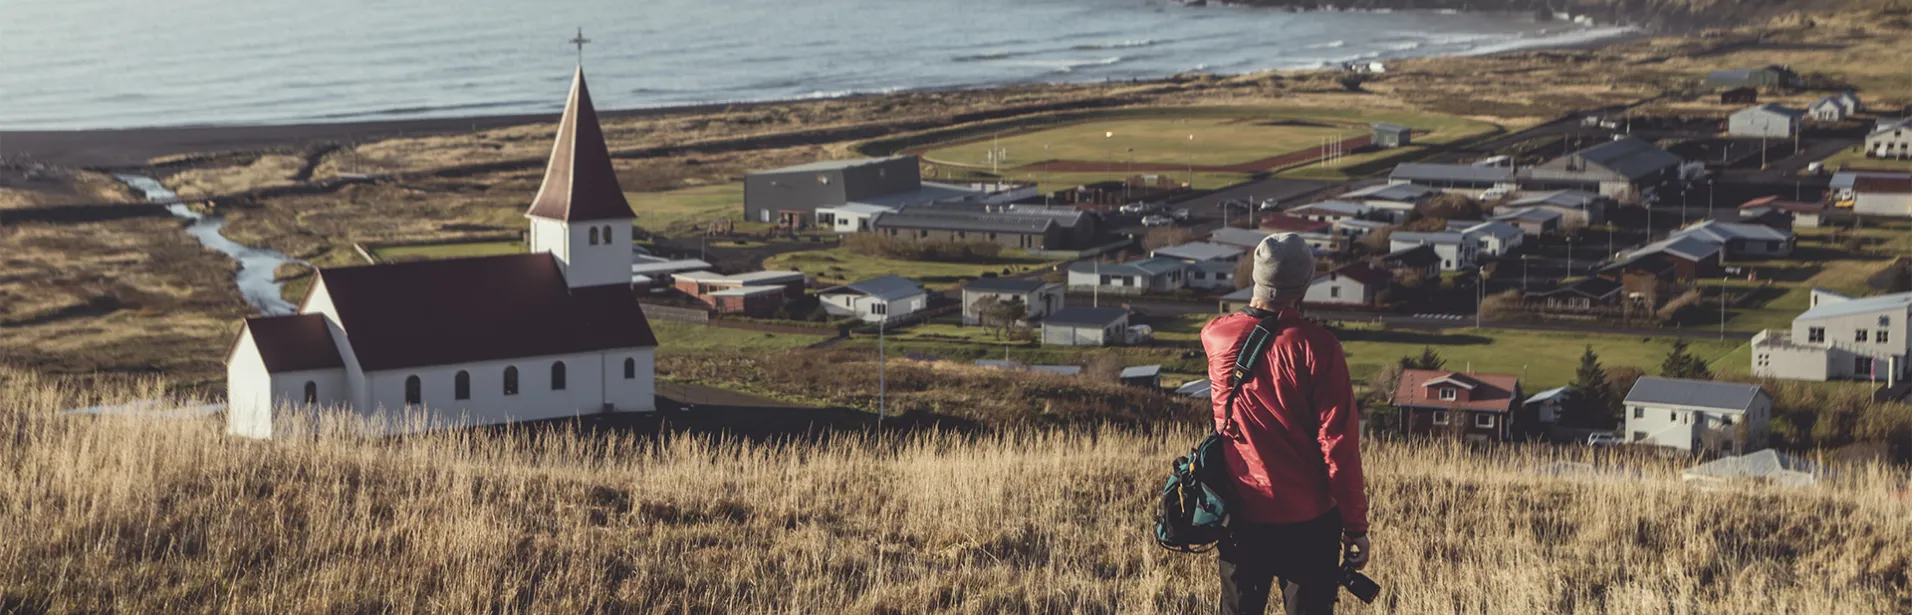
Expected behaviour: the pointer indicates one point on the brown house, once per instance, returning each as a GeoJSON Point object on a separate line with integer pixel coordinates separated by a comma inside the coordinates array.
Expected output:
{"type": "Point", "coordinates": [757, 294]}
{"type": "Point", "coordinates": [1739, 96]}
{"type": "Point", "coordinates": [1477, 407]}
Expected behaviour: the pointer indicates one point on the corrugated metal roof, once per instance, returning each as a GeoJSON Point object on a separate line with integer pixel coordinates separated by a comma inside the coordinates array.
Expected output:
{"type": "Point", "coordinates": [1723, 231]}
{"type": "Point", "coordinates": [1200, 251]}
{"type": "Point", "coordinates": [1142, 371]}
{"type": "Point", "coordinates": [1397, 191]}
{"type": "Point", "coordinates": [1772, 108]}
{"type": "Point", "coordinates": [1427, 238]}
{"type": "Point", "coordinates": [887, 288]}
{"type": "Point", "coordinates": [1693, 393]}
{"type": "Point", "coordinates": [1335, 207]}
{"type": "Point", "coordinates": [1086, 316]}
{"type": "Point", "coordinates": [1629, 157]}
{"type": "Point", "coordinates": [1451, 173]}
{"type": "Point", "coordinates": [1898, 302]}
{"type": "Point", "coordinates": [1147, 266]}
{"type": "Point", "coordinates": [1244, 237]}
{"type": "Point", "coordinates": [1576, 199]}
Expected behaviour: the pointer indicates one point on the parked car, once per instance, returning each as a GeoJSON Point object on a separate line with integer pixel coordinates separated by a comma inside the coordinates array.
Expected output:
{"type": "Point", "coordinates": [1157, 221]}
{"type": "Point", "coordinates": [1495, 194]}
{"type": "Point", "coordinates": [1604, 439]}
{"type": "Point", "coordinates": [1270, 205]}
{"type": "Point", "coordinates": [1133, 208]}
{"type": "Point", "coordinates": [1235, 204]}
{"type": "Point", "coordinates": [1179, 214]}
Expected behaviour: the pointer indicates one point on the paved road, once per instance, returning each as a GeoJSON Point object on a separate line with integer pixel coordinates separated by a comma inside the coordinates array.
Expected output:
{"type": "Point", "coordinates": [1432, 322]}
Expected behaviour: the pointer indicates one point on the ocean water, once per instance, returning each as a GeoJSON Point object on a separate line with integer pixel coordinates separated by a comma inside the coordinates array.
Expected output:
{"type": "Point", "coordinates": [68, 64]}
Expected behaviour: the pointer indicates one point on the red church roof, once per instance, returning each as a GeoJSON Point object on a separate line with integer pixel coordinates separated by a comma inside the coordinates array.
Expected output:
{"type": "Point", "coordinates": [580, 184]}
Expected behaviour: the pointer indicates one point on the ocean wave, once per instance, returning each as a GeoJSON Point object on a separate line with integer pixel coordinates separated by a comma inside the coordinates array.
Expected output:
{"type": "Point", "coordinates": [1070, 65]}
{"type": "Point", "coordinates": [1128, 44]}
{"type": "Point", "coordinates": [1334, 44]}
{"type": "Point", "coordinates": [988, 56]}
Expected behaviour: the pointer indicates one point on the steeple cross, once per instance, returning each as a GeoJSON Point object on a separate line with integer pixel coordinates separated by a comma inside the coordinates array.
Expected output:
{"type": "Point", "coordinates": [580, 41]}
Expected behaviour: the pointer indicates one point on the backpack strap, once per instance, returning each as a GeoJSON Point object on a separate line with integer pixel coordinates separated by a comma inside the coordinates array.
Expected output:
{"type": "Point", "coordinates": [1254, 345]}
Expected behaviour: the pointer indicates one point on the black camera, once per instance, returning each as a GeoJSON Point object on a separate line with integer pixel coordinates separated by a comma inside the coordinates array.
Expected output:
{"type": "Point", "coordinates": [1360, 585]}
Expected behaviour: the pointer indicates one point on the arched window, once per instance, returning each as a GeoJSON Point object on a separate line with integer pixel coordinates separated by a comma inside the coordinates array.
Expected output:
{"type": "Point", "coordinates": [312, 392]}
{"type": "Point", "coordinates": [594, 234]}
{"type": "Point", "coordinates": [630, 368]}
{"type": "Point", "coordinates": [511, 380]}
{"type": "Point", "coordinates": [557, 376]}
{"type": "Point", "coordinates": [461, 385]}
{"type": "Point", "coordinates": [607, 234]}
{"type": "Point", "coordinates": [414, 391]}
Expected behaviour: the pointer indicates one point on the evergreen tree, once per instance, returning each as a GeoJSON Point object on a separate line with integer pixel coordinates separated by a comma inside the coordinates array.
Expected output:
{"type": "Point", "coordinates": [1590, 402]}
{"type": "Point", "coordinates": [1682, 364]}
{"type": "Point", "coordinates": [1428, 360]}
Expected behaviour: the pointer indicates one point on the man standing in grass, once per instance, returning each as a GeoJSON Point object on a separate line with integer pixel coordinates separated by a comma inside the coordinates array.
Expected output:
{"type": "Point", "coordinates": [1300, 510]}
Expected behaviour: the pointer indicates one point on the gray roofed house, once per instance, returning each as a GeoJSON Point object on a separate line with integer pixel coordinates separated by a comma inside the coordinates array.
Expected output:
{"type": "Point", "coordinates": [881, 299]}
{"type": "Point", "coordinates": [1863, 305]}
{"type": "Point", "coordinates": [1687, 247]}
{"type": "Point", "coordinates": [1200, 251]}
{"type": "Point", "coordinates": [1005, 285]}
{"type": "Point", "coordinates": [1039, 297]}
{"type": "Point", "coordinates": [957, 220]}
{"type": "Point", "coordinates": [1444, 237]}
{"type": "Point", "coordinates": [1767, 120]}
{"type": "Point", "coordinates": [1400, 192]}
{"type": "Point", "coordinates": [1391, 135]}
{"type": "Point", "coordinates": [1453, 175]}
{"type": "Point", "coordinates": [1146, 376]}
{"type": "Point", "coordinates": [887, 287]}
{"type": "Point", "coordinates": [1243, 237]}
{"type": "Point", "coordinates": [1330, 211]}
{"type": "Point", "coordinates": [1766, 466]}
{"type": "Point", "coordinates": [1575, 199]}
{"type": "Point", "coordinates": [1086, 326]}
{"type": "Point", "coordinates": [1693, 393]}
{"type": "Point", "coordinates": [1742, 240]}
{"type": "Point", "coordinates": [1089, 316]}
{"type": "Point", "coordinates": [1628, 158]}
{"type": "Point", "coordinates": [1133, 277]}
{"type": "Point", "coordinates": [1029, 230]}
{"type": "Point", "coordinates": [1147, 266]}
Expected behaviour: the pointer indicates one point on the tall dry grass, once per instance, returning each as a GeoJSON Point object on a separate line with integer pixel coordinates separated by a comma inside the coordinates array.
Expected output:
{"type": "Point", "coordinates": [150, 516]}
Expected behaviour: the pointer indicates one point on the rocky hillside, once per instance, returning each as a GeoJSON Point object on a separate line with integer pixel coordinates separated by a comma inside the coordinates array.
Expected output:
{"type": "Point", "coordinates": [1669, 15]}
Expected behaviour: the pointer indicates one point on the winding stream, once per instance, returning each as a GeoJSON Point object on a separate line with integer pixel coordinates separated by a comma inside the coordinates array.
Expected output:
{"type": "Point", "coordinates": [257, 279]}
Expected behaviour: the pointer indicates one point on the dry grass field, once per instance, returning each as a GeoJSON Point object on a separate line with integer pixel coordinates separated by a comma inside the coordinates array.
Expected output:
{"type": "Point", "coordinates": [22, 187]}
{"type": "Point", "coordinates": [133, 515]}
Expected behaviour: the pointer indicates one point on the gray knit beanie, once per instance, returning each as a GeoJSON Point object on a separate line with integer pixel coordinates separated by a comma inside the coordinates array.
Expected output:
{"type": "Point", "coordinates": [1284, 266]}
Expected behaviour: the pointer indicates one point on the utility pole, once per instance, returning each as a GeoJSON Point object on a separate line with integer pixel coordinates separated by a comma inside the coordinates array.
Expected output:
{"type": "Point", "coordinates": [1480, 293]}
{"type": "Point", "coordinates": [1722, 308]}
{"type": "Point", "coordinates": [1523, 273]}
{"type": "Point", "coordinates": [1095, 287]}
{"type": "Point", "coordinates": [1710, 191]}
{"type": "Point", "coordinates": [1569, 257]}
{"type": "Point", "coordinates": [882, 382]}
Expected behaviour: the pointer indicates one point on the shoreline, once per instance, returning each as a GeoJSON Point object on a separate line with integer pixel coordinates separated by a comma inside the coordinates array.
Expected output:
{"type": "Point", "coordinates": [124, 149]}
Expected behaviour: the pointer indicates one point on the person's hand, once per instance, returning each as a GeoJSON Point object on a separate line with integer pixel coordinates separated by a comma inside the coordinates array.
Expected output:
{"type": "Point", "coordinates": [1355, 551]}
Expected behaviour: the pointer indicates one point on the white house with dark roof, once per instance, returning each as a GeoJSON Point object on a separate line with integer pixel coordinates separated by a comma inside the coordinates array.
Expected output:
{"type": "Point", "coordinates": [1839, 337]}
{"type": "Point", "coordinates": [1040, 298]}
{"type": "Point", "coordinates": [1086, 326]}
{"type": "Point", "coordinates": [1201, 251]}
{"type": "Point", "coordinates": [1697, 415]}
{"type": "Point", "coordinates": [457, 342]}
{"type": "Point", "coordinates": [1828, 109]}
{"type": "Point", "coordinates": [1628, 170]}
{"type": "Point", "coordinates": [1742, 241]}
{"type": "Point", "coordinates": [887, 298]}
{"type": "Point", "coordinates": [1457, 250]}
{"type": "Point", "coordinates": [1210, 275]}
{"type": "Point", "coordinates": [1151, 275]}
{"type": "Point", "coordinates": [1768, 120]}
{"type": "Point", "coordinates": [1331, 211]}
{"type": "Point", "coordinates": [1532, 221]}
{"type": "Point", "coordinates": [1891, 139]}
{"type": "Point", "coordinates": [1578, 208]}
{"type": "Point", "coordinates": [1495, 238]}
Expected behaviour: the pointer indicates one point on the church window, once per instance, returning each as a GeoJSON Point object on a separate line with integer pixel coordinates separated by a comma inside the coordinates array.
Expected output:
{"type": "Point", "coordinates": [414, 394]}
{"type": "Point", "coordinates": [511, 380]}
{"type": "Point", "coordinates": [557, 376]}
{"type": "Point", "coordinates": [607, 234]}
{"type": "Point", "coordinates": [461, 385]}
{"type": "Point", "coordinates": [594, 234]}
{"type": "Point", "coordinates": [311, 392]}
{"type": "Point", "coordinates": [630, 368]}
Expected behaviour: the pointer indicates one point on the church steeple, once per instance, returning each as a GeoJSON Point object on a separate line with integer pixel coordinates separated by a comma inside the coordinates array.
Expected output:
{"type": "Point", "coordinates": [580, 216]}
{"type": "Point", "coordinates": [579, 183]}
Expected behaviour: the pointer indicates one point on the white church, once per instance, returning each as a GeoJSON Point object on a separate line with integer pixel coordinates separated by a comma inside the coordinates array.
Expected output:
{"type": "Point", "coordinates": [553, 333]}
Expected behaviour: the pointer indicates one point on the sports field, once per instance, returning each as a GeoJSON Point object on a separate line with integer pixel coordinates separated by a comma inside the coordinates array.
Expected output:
{"type": "Point", "coordinates": [1215, 142]}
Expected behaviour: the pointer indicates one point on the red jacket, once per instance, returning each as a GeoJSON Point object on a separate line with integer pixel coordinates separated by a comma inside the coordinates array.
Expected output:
{"type": "Point", "coordinates": [1300, 451]}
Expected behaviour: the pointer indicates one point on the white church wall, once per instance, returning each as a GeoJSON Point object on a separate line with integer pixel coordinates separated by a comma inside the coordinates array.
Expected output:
{"type": "Point", "coordinates": [637, 394]}
{"type": "Point", "coordinates": [584, 391]}
{"type": "Point", "coordinates": [608, 262]}
{"type": "Point", "coordinates": [248, 391]}
{"type": "Point", "coordinates": [319, 301]}
{"type": "Point", "coordinates": [549, 236]}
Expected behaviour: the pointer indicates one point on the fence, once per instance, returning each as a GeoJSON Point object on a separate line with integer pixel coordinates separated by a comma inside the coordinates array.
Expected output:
{"type": "Point", "coordinates": [675, 314]}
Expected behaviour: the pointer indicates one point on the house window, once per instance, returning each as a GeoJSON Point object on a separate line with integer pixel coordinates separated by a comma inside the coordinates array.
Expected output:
{"type": "Point", "coordinates": [1881, 337]}
{"type": "Point", "coordinates": [1639, 412]}
{"type": "Point", "coordinates": [311, 392]}
{"type": "Point", "coordinates": [879, 308]}
{"type": "Point", "coordinates": [1639, 435]}
{"type": "Point", "coordinates": [461, 385]}
{"type": "Point", "coordinates": [1334, 292]}
{"type": "Point", "coordinates": [1106, 279]}
{"type": "Point", "coordinates": [992, 236]}
{"type": "Point", "coordinates": [1816, 334]}
{"type": "Point", "coordinates": [1484, 420]}
{"type": "Point", "coordinates": [1201, 275]}
{"type": "Point", "coordinates": [1885, 321]}
{"type": "Point", "coordinates": [1859, 335]}
{"type": "Point", "coordinates": [414, 391]}
{"type": "Point", "coordinates": [511, 380]}
{"type": "Point", "coordinates": [1862, 366]}
{"type": "Point", "coordinates": [1449, 394]}
{"type": "Point", "coordinates": [630, 368]}
{"type": "Point", "coordinates": [1440, 417]}
{"type": "Point", "coordinates": [1726, 421]}
{"type": "Point", "coordinates": [557, 376]}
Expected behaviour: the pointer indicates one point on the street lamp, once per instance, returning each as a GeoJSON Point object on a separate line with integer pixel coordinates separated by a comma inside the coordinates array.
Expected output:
{"type": "Point", "coordinates": [1523, 273]}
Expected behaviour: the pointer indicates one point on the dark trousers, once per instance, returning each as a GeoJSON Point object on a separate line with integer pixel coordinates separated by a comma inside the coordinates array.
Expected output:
{"type": "Point", "coordinates": [1305, 557]}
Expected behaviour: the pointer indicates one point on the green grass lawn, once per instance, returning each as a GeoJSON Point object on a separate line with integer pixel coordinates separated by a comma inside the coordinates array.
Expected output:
{"type": "Point", "coordinates": [676, 211]}
{"type": "Point", "coordinates": [685, 338]}
{"type": "Point", "coordinates": [1217, 141]}
{"type": "Point", "coordinates": [1543, 359]}
{"type": "Point", "coordinates": [1855, 157]}
{"type": "Point", "coordinates": [1051, 182]}
{"type": "Point", "coordinates": [447, 250]}
{"type": "Point", "coordinates": [839, 265]}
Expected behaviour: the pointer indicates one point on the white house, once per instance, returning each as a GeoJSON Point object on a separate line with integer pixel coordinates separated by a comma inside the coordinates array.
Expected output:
{"type": "Point", "coordinates": [1210, 275]}
{"type": "Point", "coordinates": [1839, 337]}
{"type": "Point", "coordinates": [1850, 101]}
{"type": "Point", "coordinates": [1086, 326]}
{"type": "Point", "coordinates": [1697, 415]}
{"type": "Point", "coordinates": [1883, 195]}
{"type": "Point", "coordinates": [851, 217]}
{"type": "Point", "coordinates": [1495, 238]}
{"type": "Point", "coordinates": [1039, 298]}
{"type": "Point", "coordinates": [420, 345]}
{"type": "Point", "coordinates": [1828, 109]}
{"type": "Point", "coordinates": [1201, 251]}
{"type": "Point", "coordinates": [1152, 275]}
{"type": "Point", "coordinates": [1767, 121]}
{"type": "Point", "coordinates": [1457, 250]}
{"type": "Point", "coordinates": [887, 298]}
{"type": "Point", "coordinates": [1356, 285]}
{"type": "Point", "coordinates": [1890, 140]}
{"type": "Point", "coordinates": [1331, 211]}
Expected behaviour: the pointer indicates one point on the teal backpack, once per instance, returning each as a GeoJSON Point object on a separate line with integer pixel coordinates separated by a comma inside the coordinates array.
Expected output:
{"type": "Point", "coordinates": [1192, 514]}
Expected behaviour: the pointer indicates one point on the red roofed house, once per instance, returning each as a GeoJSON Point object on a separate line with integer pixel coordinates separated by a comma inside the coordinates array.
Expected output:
{"type": "Point", "coordinates": [1883, 196]}
{"type": "Point", "coordinates": [1803, 214]}
{"type": "Point", "coordinates": [553, 333]}
{"type": "Point", "coordinates": [1478, 407]}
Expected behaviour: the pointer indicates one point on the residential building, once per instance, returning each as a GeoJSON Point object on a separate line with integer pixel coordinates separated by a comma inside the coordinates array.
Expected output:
{"type": "Point", "coordinates": [1355, 228]}
{"type": "Point", "coordinates": [1890, 140]}
{"type": "Point", "coordinates": [1800, 214]}
{"type": "Point", "coordinates": [1686, 257]}
{"type": "Point", "coordinates": [654, 272]}
{"type": "Point", "coordinates": [554, 333]}
{"type": "Point", "coordinates": [1331, 211]}
{"type": "Point", "coordinates": [1211, 275]}
{"type": "Point", "coordinates": [851, 217]}
{"type": "Point", "coordinates": [757, 294]}
{"type": "Point", "coordinates": [1850, 101]}
{"type": "Point", "coordinates": [1245, 238]}
{"type": "Point", "coordinates": [1582, 294]}
{"type": "Point", "coordinates": [1281, 222]}
{"type": "Point", "coordinates": [1456, 250]}
{"type": "Point", "coordinates": [1828, 109]}
{"type": "Point", "coordinates": [885, 299]}
{"type": "Point", "coordinates": [791, 196]}
{"type": "Point", "coordinates": [1742, 241]}
{"type": "Point", "coordinates": [1844, 182]}
{"type": "Point", "coordinates": [1391, 135]}
{"type": "Point", "coordinates": [1839, 337]}
{"type": "Point", "coordinates": [1419, 260]}
{"type": "Point", "coordinates": [1038, 297]}
{"type": "Point", "coordinates": [1764, 121]}
{"type": "Point", "coordinates": [1398, 198]}
{"type": "Point", "coordinates": [1086, 326]}
{"type": "Point", "coordinates": [1201, 251]}
{"type": "Point", "coordinates": [1883, 196]}
{"type": "Point", "coordinates": [1478, 407]}
{"type": "Point", "coordinates": [1356, 285]}
{"type": "Point", "coordinates": [1697, 415]}
{"type": "Point", "coordinates": [1578, 208]}
{"type": "Point", "coordinates": [1494, 238]}
{"type": "Point", "coordinates": [1145, 376]}
{"type": "Point", "coordinates": [1761, 77]}
{"type": "Point", "coordinates": [1627, 169]}
{"type": "Point", "coordinates": [1152, 275]}
{"type": "Point", "coordinates": [1532, 221]}
{"type": "Point", "coordinates": [1045, 230]}
{"type": "Point", "coordinates": [1739, 96]}
{"type": "Point", "coordinates": [1547, 407]}
{"type": "Point", "coordinates": [1466, 179]}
